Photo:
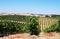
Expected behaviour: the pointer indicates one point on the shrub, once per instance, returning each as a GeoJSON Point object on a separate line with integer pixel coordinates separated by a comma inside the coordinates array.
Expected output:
{"type": "Point", "coordinates": [58, 28]}
{"type": "Point", "coordinates": [34, 26]}
{"type": "Point", "coordinates": [10, 27]}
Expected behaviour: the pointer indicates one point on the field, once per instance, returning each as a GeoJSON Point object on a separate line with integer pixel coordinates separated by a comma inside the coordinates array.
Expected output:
{"type": "Point", "coordinates": [43, 21]}
{"type": "Point", "coordinates": [46, 22]}
{"type": "Point", "coordinates": [16, 24]}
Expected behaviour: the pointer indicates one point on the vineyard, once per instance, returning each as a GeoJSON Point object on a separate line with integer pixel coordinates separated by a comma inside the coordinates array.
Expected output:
{"type": "Point", "coordinates": [10, 24]}
{"type": "Point", "coordinates": [46, 22]}
{"type": "Point", "coordinates": [15, 17]}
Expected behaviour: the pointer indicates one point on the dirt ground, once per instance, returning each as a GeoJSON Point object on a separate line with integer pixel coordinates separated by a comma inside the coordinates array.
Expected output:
{"type": "Point", "coordinates": [42, 35]}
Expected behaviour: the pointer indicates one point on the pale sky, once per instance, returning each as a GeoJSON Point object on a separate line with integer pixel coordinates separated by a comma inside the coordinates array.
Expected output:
{"type": "Point", "coordinates": [30, 6]}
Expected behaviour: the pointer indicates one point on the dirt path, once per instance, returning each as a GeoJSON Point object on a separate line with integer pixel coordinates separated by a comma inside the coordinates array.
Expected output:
{"type": "Point", "coordinates": [28, 36]}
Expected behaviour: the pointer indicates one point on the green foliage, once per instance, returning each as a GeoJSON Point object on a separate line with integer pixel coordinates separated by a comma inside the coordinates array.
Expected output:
{"type": "Point", "coordinates": [10, 27]}
{"type": "Point", "coordinates": [15, 17]}
{"type": "Point", "coordinates": [26, 28]}
{"type": "Point", "coordinates": [34, 26]}
{"type": "Point", "coordinates": [53, 28]}
{"type": "Point", "coordinates": [58, 28]}
{"type": "Point", "coordinates": [7, 27]}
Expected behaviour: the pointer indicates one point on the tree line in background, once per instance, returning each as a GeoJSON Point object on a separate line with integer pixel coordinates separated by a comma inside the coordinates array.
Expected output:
{"type": "Point", "coordinates": [15, 17]}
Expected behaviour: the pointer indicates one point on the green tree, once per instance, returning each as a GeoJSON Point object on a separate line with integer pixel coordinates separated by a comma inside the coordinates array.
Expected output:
{"type": "Point", "coordinates": [34, 26]}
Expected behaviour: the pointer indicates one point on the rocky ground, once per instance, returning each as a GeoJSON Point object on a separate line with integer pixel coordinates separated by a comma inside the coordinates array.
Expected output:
{"type": "Point", "coordinates": [28, 36]}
